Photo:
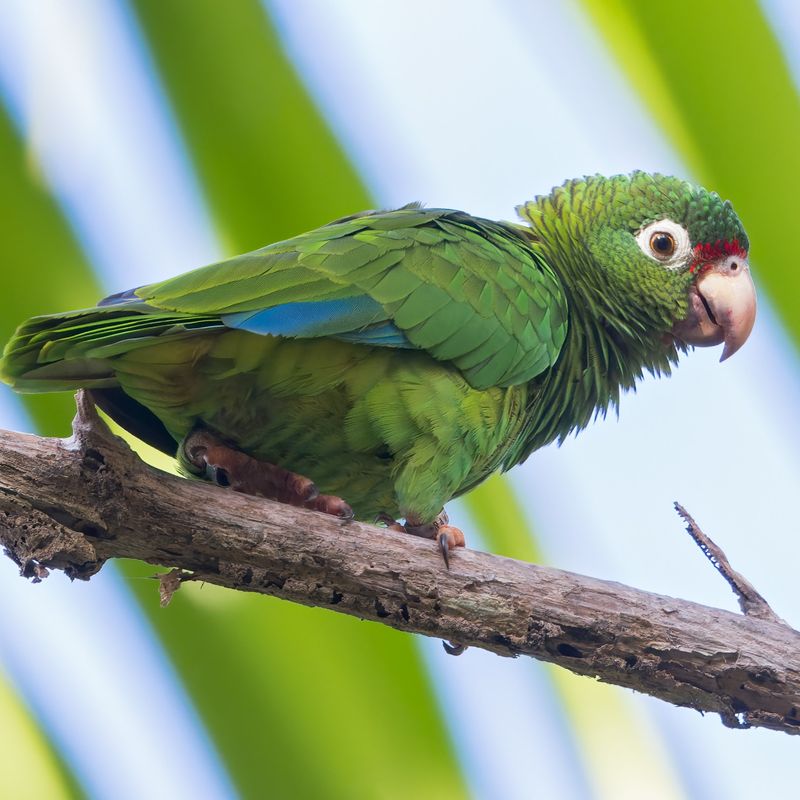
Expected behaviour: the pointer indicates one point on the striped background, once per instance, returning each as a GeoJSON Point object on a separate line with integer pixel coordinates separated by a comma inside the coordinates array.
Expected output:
{"type": "Point", "coordinates": [139, 139]}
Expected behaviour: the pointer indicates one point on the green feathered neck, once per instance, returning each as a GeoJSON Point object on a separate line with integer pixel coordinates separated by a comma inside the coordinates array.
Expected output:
{"type": "Point", "coordinates": [611, 340]}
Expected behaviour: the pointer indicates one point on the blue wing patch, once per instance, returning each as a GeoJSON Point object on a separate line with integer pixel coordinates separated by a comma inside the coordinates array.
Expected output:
{"type": "Point", "coordinates": [379, 334]}
{"type": "Point", "coordinates": [353, 319]}
{"type": "Point", "coordinates": [120, 298]}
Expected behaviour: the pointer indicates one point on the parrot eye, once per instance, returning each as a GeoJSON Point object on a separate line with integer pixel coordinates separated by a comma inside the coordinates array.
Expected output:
{"type": "Point", "coordinates": [662, 244]}
{"type": "Point", "coordinates": [666, 242]}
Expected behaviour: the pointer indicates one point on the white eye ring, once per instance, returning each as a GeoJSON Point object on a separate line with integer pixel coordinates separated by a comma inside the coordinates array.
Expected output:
{"type": "Point", "coordinates": [675, 257]}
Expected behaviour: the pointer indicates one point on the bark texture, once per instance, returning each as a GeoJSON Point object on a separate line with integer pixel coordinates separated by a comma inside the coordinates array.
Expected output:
{"type": "Point", "coordinates": [72, 504]}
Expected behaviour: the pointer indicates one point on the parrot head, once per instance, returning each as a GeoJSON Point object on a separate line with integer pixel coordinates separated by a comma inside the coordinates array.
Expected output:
{"type": "Point", "coordinates": [651, 255]}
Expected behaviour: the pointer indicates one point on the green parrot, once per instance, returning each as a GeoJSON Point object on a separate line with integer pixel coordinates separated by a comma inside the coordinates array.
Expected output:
{"type": "Point", "coordinates": [391, 360]}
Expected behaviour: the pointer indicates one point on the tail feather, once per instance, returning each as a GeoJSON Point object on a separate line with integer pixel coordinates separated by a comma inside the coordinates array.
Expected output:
{"type": "Point", "coordinates": [135, 418]}
{"type": "Point", "coordinates": [76, 349]}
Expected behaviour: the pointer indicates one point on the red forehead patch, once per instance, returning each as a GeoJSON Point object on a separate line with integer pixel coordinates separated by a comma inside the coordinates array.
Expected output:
{"type": "Point", "coordinates": [712, 251]}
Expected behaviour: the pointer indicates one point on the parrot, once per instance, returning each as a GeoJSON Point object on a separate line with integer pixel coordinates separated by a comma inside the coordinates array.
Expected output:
{"type": "Point", "coordinates": [389, 361]}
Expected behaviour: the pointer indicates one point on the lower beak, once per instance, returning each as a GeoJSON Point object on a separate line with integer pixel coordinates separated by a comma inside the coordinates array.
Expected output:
{"type": "Point", "coordinates": [722, 307]}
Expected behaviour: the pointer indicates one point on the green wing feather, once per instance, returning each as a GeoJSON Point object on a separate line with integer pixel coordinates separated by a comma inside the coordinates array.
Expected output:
{"type": "Point", "coordinates": [466, 290]}
{"type": "Point", "coordinates": [62, 352]}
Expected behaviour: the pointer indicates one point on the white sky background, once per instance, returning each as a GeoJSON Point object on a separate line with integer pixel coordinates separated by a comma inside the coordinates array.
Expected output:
{"type": "Point", "coordinates": [477, 106]}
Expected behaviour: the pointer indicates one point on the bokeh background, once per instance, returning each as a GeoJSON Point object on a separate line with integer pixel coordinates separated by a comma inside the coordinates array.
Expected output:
{"type": "Point", "coordinates": [140, 138]}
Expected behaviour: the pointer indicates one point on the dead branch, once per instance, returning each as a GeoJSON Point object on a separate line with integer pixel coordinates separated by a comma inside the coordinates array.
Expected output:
{"type": "Point", "coordinates": [750, 601]}
{"type": "Point", "coordinates": [72, 504]}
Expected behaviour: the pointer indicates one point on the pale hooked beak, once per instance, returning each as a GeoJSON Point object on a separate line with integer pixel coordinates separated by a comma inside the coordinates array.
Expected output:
{"type": "Point", "coordinates": [722, 307]}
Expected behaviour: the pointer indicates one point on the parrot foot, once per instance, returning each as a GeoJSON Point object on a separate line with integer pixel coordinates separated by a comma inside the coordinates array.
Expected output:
{"type": "Point", "coordinates": [226, 466]}
{"type": "Point", "coordinates": [447, 536]}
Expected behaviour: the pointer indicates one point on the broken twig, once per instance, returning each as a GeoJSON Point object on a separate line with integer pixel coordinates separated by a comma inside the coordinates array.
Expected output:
{"type": "Point", "coordinates": [750, 601]}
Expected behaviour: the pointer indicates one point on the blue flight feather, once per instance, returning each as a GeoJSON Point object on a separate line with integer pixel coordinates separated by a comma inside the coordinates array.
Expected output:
{"type": "Point", "coordinates": [354, 319]}
{"type": "Point", "coordinates": [120, 298]}
{"type": "Point", "coordinates": [381, 334]}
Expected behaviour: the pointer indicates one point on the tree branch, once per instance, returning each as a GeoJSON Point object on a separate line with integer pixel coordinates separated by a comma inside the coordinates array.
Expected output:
{"type": "Point", "coordinates": [71, 504]}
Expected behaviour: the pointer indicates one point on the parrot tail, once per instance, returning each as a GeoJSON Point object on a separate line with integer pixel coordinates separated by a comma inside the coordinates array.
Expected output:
{"type": "Point", "coordinates": [76, 349]}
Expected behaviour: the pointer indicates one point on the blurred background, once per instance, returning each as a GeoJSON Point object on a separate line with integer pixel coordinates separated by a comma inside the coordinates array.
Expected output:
{"type": "Point", "coordinates": [139, 139]}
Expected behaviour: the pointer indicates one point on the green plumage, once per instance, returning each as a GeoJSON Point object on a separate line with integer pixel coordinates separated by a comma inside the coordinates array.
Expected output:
{"type": "Point", "coordinates": [396, 358]}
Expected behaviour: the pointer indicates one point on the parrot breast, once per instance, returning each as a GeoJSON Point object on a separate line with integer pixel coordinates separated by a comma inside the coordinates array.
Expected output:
{"type": "Point", "coordinates": [339, 412]}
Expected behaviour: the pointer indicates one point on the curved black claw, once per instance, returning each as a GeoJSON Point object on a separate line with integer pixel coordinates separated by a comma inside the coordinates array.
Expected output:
{"type": "Point", "coordinates": [217, 475]}
{"type": "Point", "coordinates": [444, 549]}
{"type": "Point", "coordinates": [454, 648]}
